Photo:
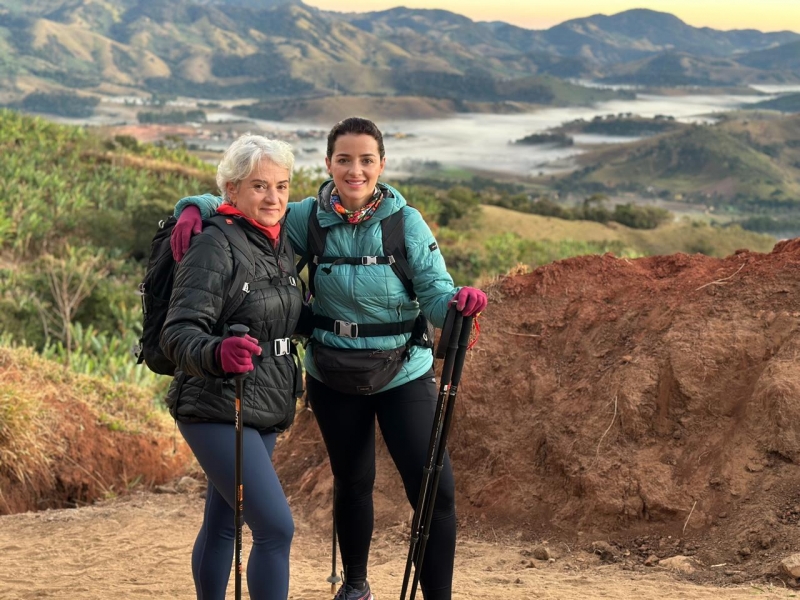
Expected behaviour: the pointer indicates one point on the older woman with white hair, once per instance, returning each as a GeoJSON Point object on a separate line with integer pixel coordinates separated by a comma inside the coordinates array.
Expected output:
{"type": "Point", "coordinates": [253, 177]}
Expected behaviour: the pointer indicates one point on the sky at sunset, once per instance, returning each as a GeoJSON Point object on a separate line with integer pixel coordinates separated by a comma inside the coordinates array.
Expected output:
{"type": "Point", "coordinates": [766, 15]}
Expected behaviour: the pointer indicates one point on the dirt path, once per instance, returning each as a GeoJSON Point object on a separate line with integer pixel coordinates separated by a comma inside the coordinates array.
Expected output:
{"type": "Point", "coordinates": [139, 546]}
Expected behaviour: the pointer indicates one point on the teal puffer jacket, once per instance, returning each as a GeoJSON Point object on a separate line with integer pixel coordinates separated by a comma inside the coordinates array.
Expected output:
{"type": "Point", "coordinates": [367, 294]}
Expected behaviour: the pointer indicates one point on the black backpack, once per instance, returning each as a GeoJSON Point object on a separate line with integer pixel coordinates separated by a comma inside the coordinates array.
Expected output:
{"type": "Point", "coordinates": [395, 254]}
{"type": "Point", "coordinates": [159, 277]}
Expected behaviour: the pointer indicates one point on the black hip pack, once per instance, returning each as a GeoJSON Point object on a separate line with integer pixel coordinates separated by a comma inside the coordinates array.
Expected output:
{"type": "Point", "coordinates": [356, 371]}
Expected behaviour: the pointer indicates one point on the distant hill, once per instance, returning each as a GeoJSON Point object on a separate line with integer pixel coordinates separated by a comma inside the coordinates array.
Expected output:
{"type": "Point", "coordinates": [636, 33]}
{"type": "Point", "coordinates": [780, 64]}
{"type": "Point", "coordinates": [284, 49]}
{"type": "Point", "coordinates": [743, 162]}
{"type": "Point", "coordinates": [682, 69]}
{"type": "Point", "coordinates": [789, 103]}
{"type": "Point", "coordinates": [785, 57]}
{"type": "Point", "coordinates": [621, 125]}
{"type": "Point", "coordinates": [427, 103]}
{"type": "Point", "coordinates": [205, 49]}
{"type": "Point", "coordinates": [599, 39]}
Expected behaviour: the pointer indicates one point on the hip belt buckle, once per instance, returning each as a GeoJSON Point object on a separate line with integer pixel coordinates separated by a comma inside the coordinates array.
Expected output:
{"type": "Point", "coordinates": [280, 347]}
{"type": "Point", "coordinates": [345, 329]}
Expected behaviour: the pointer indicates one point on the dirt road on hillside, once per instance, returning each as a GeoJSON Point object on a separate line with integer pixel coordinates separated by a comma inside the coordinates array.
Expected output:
{"type": "Point", "coordinates": [139, 547]}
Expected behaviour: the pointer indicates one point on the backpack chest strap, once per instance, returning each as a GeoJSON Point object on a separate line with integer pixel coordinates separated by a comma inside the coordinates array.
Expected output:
{"type": "Point", "coordinates": [354, 260]}
{"type": "Point", "coordinates": [277, 347]}
{"type": "Point", "coordinates": [267, 283]}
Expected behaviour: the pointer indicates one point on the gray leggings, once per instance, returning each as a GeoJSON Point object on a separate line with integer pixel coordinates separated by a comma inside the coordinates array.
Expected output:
{"type": "Point", "coordinates": [266, 513]}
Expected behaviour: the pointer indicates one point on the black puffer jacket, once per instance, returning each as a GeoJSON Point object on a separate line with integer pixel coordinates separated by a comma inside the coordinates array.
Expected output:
{"type": "Point", "coordinates": [199, 392]}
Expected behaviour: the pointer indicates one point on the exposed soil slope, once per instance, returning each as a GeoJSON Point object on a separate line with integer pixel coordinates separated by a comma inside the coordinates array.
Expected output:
{"type": "Point", "coordinates": [67, 440]}
{"type": "Point", "coordinates": [629, 400]}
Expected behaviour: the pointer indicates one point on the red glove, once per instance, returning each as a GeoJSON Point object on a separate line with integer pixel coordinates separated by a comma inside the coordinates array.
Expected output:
{"type": "Point", "coordinates": [189, 223]}
{"type": "Point", "coordinates": [235, 354]}
{"type": "Point", "coordinates": [470, 301]}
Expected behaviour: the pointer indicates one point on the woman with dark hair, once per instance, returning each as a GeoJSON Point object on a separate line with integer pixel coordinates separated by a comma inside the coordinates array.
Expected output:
{"type": "Point", "coordinates": [365, 360]}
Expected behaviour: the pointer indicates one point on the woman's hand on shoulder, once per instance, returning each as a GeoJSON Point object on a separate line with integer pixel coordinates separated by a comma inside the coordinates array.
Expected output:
{"type": "Point", "coordinates": [189, 223]}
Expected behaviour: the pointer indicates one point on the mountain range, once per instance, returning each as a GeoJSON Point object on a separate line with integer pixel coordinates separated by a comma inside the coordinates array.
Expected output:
{"type": "Point", "coordinates": [274, 49]}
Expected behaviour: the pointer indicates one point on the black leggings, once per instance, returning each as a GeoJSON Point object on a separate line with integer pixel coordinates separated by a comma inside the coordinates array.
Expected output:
{"type": "Point", "coordinates": [405, 415]}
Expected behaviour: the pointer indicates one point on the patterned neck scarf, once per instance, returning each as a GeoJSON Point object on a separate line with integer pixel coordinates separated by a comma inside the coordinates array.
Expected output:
{"type": "Point", "coordinates": [360, 214]}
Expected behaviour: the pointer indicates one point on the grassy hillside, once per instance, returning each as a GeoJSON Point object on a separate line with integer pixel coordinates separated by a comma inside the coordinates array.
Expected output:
{"type": "Point", "coordinates": [679, 236]}
{"type": "Point", "coordinates": [503, 239]}
{"type": "Point", "coordinates": [83, 190]}
{"type": "Point", "coordinates": [71, 253]}
{"type": "Point", "coordinates": [746, 162]}
{"type": "Point", "coordinates": [67, 439]}
{"type": "Point", "coordinates": [496, 220]}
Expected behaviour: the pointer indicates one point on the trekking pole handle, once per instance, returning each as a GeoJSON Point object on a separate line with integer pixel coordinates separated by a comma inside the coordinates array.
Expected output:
{"type": "Point", "coordinates": [463, 343]}
{"type": "Point", "coordinates": [239, 330]}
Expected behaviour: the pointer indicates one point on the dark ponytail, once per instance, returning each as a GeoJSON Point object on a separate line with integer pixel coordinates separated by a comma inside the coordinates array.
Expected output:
{"type": "Point", "coordinates": [355, 126]}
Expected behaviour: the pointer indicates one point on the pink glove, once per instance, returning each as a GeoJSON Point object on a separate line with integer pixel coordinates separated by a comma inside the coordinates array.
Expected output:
{"type": "Point", "coordinates": [470, 301]}
{"type": "Point", "coordinates": [189, 223]}
{"type": "Point", "coordinates": [235, 354]}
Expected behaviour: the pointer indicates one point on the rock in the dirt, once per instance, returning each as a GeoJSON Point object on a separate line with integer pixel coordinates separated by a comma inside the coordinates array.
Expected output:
{"type": "Point", "coordinates": [183, 485]}
{"type": "Point", "coordinates": [678, 563]}
{"type": "Point", "coordinates": [791, 566]}
{"type": "Point", "coordinates": [605, 551]}
{"type": "Point", "coordinates": [651, 561]}
{"type": "Point", "coordinates": [189, 485]}
{"type": "Point", "coordinates": [541, 553]}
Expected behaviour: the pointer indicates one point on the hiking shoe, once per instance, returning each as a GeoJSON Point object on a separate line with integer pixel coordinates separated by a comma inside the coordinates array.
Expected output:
{"type": "Point", "coordinates": [350, 592]}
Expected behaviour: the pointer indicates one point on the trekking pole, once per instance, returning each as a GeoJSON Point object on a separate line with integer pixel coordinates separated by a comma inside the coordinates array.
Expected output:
{"type": "Point", "coordinates": [463, 343]}
{"type": "Point", "coordinates": [451, 329]}
{"type": "Point", "coordinates": [334, 578]}
{"type": "Point", "coordinates": [238, 509]}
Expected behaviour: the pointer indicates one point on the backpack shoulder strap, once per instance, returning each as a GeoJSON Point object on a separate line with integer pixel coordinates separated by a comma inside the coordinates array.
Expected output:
{"type": "Point", "coordinates": [244, 264]}
{"type": "Point", "coordinates": [316, 237]}
{"type": "Point", "coordinates": [393, 235]}
{"type": "Point", "coordinates": [393, 232]}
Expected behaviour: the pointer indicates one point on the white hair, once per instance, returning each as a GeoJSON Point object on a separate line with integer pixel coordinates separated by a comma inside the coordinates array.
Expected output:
{"type": "Point", "coordinates": [245, 153]}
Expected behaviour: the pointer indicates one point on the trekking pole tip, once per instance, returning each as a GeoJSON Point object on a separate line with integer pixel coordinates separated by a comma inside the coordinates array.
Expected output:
{"type": "Point", "coordinates": [333, 580]}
